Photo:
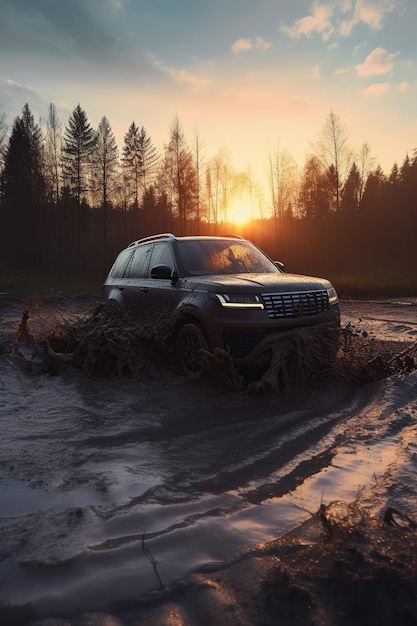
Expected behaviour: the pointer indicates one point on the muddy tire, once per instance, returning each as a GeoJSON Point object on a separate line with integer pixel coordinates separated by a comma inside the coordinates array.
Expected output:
{"type": "Point", "coordinates": [189, 341]}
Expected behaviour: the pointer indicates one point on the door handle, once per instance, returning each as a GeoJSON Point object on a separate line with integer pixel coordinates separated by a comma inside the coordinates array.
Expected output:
{"type": "Point", "coordinates": [144, 289]}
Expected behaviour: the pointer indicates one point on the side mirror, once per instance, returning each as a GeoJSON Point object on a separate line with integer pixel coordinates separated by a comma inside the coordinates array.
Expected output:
{"type": "Point", "coordinates": [162, 271]}
{"type": "Point", "coordinates": [279, 265]}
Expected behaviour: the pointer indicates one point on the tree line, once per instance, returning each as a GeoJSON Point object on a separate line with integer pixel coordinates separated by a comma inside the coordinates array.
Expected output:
{"type": "Point", "coordinates": [70, 199]}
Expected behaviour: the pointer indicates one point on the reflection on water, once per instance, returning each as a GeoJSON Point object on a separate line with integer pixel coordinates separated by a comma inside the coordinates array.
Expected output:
{"type": "Point", "coordinates": [17, 499]}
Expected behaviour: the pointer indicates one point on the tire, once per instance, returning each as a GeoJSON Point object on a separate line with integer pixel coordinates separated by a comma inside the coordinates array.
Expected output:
{"type": "Point", "coordinates": [189, 341]}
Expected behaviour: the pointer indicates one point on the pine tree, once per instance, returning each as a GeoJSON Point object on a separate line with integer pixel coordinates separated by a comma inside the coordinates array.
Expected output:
{"type": "Point", "coordinates": [105, 169]}
{"type": "Point", "coordinates": [23, 190]}
{"type": "Point", "coordinates": [351, 192]}
{"type": "Point", "coordinates": [79, 143]}
{"type": "Point", "coordinates": [140, 160]}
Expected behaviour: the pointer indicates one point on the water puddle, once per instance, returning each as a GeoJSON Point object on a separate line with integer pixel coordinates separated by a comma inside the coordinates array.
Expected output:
{"type": "Point", "coordinates": [17, 499]}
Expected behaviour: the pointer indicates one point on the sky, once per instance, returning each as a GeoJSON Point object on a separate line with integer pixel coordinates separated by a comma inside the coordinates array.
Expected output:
{"type": "Point", "coordinates": [251, 76]}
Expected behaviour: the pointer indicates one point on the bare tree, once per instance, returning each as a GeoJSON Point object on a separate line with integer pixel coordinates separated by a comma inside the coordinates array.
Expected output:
{"type": "Point", "coordinates": [334, 153]}
{"type": "Point", "coordinates": [181, 176]}
{"type": "Point", "coordinates": [221, 178]}
{"type": "Point", "coordinates": [53, 139]}
{"type": "Point", "coordinates": [3, 139]}
{"type": "Point", "coordinates": [283, 181]}
{"type": "Point", "coordinates": [197, 153]}
{"type": "Point", "coordinates": [365, 165]}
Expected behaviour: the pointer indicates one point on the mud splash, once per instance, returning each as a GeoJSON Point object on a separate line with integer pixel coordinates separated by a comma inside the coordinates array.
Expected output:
{"type": "Point", "coordinates": [108, 342]}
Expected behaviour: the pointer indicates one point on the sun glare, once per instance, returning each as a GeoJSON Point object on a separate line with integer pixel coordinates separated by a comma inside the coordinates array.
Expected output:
{"type": "Point", "coordinates": [241, 209]}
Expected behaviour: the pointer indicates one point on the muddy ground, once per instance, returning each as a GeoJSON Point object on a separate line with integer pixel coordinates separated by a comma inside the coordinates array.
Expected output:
{"type": "Point", "coordinates": [343, 566]}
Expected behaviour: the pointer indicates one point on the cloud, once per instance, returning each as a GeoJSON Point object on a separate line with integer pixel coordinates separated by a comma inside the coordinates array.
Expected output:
{"type": "Point", "coordinates": [180, 76]}
{"type": "Point", "coordinates": [378, 62]}
{"type": "Point", "coordinates": [340, 18]}
{"type": "Point", "coordinates": [62, 29]}
{"type": "Point", "coordinates": [372, 12]}
{"type": "Point", "coordinates": [316, 71]}
{"type": "Point", "coordinates": [15, 95]}
{"type": "Point", "coordinates": [243, 45]}
{"type": "Point", "coordinates": [318, 22]}
{"type": "Point", "coordinates": [377, 89]}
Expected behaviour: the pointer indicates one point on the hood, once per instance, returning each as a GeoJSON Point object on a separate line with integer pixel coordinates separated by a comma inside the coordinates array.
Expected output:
{"type": "Point", "coordinates": [256, 283]}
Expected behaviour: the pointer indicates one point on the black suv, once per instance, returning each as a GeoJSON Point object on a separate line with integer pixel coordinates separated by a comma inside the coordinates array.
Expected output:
{"type": "Point", "coordinates": [218, 292]}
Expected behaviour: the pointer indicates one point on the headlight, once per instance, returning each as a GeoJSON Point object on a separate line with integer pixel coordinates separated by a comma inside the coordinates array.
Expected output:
{"type": "Point", "coordinates": [332, 294]}
{"type": "Point", "coordinates": [239, 301]}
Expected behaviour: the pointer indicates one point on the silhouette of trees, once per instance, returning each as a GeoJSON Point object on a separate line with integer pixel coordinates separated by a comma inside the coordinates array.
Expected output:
{"type": "Point", "coordinates": [315, 191]}
{"type": "Point", "coordinates": [351, 191]}
{"type": "Point", "coordinates": [334, 153]}
{"type": "Point", "coordinates": [105, 178]}
{"type": "Point", "coordinates": [140, 160]}
{"type": "Point", "coordinates": [132, 163]}
{"type": "Point", "coordinates": [53, 155]}
{"type": "Point", "coordinates": [219, 175]}
{"type": "Point", "coordinates": [284, 183]}
{"type": "Point", "coordinates": [80, 140]}
{"type": "Point", "coordinates": [79, 143]}
{"type": "Point", "coordinates": [105, 164]}
{"type": "Point", "coordinates": [23, 189]}
{"type": "Point", "coordinates": [3, 139]}
{"type": "Point", "coordinates": [180, 177]}
{"type": "Point", "coordinates": [67, 212]}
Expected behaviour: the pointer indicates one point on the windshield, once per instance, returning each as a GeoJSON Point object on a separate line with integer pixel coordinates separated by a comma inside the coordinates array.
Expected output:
{"type": "Point", "coordinates": [223, 256]}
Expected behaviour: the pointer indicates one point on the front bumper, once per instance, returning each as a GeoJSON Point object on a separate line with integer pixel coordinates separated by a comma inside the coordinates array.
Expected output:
{"type": "Point", "coordinates": [255, 347]}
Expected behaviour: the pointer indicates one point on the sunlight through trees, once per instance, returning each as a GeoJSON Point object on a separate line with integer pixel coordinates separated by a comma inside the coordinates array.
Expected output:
{"type": "Point", "coordinates": [72, 200]}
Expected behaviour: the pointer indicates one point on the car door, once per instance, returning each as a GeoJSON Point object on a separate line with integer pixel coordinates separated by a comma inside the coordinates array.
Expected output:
{"type": "Point", "coordinates": [135, 282]}
{"type": "Point", "coordinates": [164, 293]}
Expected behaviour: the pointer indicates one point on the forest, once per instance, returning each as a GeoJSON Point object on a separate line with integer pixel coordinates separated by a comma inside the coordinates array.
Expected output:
{"type": "Point", "coordinates": [71, 199]}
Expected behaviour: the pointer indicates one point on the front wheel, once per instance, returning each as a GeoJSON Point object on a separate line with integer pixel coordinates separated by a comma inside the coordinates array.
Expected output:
{"type": "Point", "coordinates": [189, 342]}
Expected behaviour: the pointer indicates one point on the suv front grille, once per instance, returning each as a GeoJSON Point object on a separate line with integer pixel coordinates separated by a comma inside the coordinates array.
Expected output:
{"type": "Point", "coordinates": [296, 304]}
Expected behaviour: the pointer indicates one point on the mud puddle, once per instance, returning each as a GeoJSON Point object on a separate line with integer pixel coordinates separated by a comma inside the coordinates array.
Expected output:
{"type": "Point", "coordinates": [94, 468]}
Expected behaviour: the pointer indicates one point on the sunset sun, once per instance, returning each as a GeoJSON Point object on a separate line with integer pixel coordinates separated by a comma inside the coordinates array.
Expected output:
{"type": "Point", "coordinates": [241, 209]}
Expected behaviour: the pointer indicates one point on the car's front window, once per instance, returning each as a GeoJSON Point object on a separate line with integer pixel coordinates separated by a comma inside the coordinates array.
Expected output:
{"type": "Point", "coordinates": [220, 256]}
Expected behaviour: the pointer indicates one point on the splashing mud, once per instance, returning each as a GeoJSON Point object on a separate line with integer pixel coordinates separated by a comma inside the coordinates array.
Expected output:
{"type": "Point", "coordinates": [110, 342]}
{"type": "Point", "coordinates": [119, 454]}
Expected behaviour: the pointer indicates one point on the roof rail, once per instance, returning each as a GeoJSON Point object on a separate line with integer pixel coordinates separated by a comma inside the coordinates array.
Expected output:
{"type": "Point", "coordinates": [152, 238]}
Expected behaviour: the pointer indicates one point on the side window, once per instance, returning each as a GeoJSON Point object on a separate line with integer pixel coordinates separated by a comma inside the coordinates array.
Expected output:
{"type": "Point", "coordinates": [139, 266]}
{"type": "Point", "coordinates": [162, 255]}
{"type": "Point", "coordinates": [120, 264]}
